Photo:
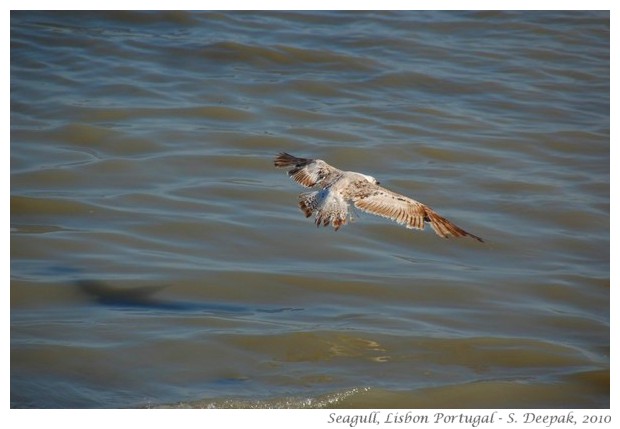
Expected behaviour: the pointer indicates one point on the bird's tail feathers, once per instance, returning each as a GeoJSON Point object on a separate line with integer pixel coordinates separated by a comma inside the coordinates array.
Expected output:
{"type": "Point", "coordinates": [309, 202]}
{"type": "Point", "coordinates": [328, 210]}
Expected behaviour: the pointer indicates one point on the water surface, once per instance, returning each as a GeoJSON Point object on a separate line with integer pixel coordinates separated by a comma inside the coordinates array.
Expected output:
{"type": "Point", "coordinates": [159, 260]}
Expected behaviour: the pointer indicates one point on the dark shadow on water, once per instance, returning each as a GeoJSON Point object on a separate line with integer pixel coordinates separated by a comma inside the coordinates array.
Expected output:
{"type": "Point", "coordinates": [142, 298]}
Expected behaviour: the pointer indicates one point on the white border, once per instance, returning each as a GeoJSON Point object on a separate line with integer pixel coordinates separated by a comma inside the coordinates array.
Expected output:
{"type": "Point", "coordinates": [267, 418]}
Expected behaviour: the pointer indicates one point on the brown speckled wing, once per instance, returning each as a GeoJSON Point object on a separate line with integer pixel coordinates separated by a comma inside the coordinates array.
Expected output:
{"type": "Point", "coordinates": [382, 202]}
{"type": "Point", "coordinates": [306, 172]}
{"type": "Point", "coordinates": [413, 214]}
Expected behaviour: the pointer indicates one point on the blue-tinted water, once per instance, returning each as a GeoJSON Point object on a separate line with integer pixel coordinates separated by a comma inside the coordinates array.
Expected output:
{"type": "Point", "coordinates": [158, 258]}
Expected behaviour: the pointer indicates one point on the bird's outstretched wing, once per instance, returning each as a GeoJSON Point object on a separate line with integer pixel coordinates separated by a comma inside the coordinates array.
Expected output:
{"type": "Point", "coordinates": [406, 211]}
{"type": "Point", "coordinates": [306, 172]}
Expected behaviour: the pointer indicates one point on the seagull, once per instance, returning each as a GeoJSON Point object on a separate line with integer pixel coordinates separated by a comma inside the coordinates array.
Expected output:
{"type": "Point", "coordinates": [335, 189]}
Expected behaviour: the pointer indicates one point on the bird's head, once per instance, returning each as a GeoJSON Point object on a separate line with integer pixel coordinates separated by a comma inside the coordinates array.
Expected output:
{"type": "Point", "coordinates": [371, 179]}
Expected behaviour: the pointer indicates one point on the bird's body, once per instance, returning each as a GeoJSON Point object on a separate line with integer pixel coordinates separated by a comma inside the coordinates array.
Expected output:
{"type": "Point", "coordinates": [337, 188]}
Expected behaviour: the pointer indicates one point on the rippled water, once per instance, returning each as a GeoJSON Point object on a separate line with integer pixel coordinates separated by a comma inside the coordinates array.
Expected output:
{"type": "Point", "coordinates": [159, 260]}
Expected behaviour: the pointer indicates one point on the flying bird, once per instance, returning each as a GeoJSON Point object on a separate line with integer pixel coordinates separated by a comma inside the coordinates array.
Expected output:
{"type": "Point", "coordinates": [335, 189]}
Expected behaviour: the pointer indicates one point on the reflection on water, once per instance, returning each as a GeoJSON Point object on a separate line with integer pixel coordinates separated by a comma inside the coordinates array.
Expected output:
{"type": "Point", "coordinates": [159, 260]}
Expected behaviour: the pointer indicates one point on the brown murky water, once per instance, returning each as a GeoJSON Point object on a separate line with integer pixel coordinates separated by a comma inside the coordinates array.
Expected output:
{"type": "Point", "coordinates": [158, 258]}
